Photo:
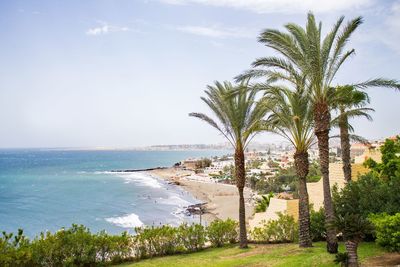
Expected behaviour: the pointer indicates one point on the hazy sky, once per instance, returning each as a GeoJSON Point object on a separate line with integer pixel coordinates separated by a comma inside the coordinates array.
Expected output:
{"type": "Point", "coordinates": [121, 73]}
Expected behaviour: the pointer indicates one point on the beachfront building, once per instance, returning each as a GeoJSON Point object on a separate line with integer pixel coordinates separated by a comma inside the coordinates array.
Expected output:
{"type": "Point", "coordinates": [189, 164]}
{"type": "Point", "coordinates": [218, 166]}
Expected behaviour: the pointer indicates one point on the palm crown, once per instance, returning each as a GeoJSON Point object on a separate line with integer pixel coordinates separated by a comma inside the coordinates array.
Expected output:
{"type": "Point", "coordinates": [291, 117]}
{"type": "Point", "coordinates": [239, 114]}
{"type": "Point", "coordinates": [307, 58]}
{"type": "Point", "coordinates": [350, 103]}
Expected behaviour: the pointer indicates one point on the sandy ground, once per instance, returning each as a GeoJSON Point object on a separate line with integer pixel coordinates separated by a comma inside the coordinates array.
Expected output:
{"type": "Point", "coordinates": [222, 200]}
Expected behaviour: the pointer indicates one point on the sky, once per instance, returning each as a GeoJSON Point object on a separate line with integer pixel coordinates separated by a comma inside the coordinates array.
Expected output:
{"type": "Point", "coordinates": [126, 73]}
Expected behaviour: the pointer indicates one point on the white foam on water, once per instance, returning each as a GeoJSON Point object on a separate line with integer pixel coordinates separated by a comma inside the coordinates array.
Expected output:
{"type": "Point", "coordinates": [105, 172]}
{"type": "Point", "coordinates": [128, 221]}
{"type": "Point", "coordinates": [140, 178]}
{"type": "Point", "coordinates": [174, 200]}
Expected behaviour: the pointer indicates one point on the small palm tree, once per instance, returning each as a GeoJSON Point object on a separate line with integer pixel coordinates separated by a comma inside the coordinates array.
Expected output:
{"type": "Point", "coordinates": [350, 103]}
{"type": "Point", "coordinates": [306, 57]}
{"type": "Point", "coordinates": [350, 220]}
{"type": "Point", "coordinates": [239, 118]}
{"type": "Point", "coordinates": [291, 118]}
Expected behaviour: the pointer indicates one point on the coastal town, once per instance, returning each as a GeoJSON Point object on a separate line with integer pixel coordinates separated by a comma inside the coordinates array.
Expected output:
{"type": "Point", "coordinates": [269, 170]}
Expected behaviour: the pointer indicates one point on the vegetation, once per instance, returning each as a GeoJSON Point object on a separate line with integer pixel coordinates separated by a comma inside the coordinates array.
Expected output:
{"type": "Point", "coordinates": [358, 201]}
{"type": "Point", "coordinates": [279, 255]}
{"type": "Point", "coordinates": [387, 230]}
{"type": "Point", "coordinates": [350, 221]}
{"type": "Point", "coordinates": [317, 225]}
{"type": "Point", "coordinates": [203, 163]}
{"type": "Point", "coordinates": [285, 180]}
{"type": "Point", "coordinates": [77, 246]}
{"type": "Point", "coordinates": [221, 232]}
{"type": "Point", "coordinates": [239, 119]}
{"type": "Point", "coordinates": [282, 230]}
{"type": "Point", "coordinates": [389, 168]}
{"type": "Point", "coordinates": [263, 203]}
{"type": "Point", "coordinates": [254, 164]}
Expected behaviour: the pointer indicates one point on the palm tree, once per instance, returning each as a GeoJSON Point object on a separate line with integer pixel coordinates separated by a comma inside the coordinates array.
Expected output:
{"type": "Point", "coordinates": [291, 118]}
{"type": "Point", "coordinates": [307, 57]}
{"type": "Point", "coordinates": [350, 103]}
{"type": "Point", "coordinates": [239, 118]}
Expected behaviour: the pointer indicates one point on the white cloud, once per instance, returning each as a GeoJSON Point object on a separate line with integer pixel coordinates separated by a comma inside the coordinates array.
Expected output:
{"type": "Point", "coordinates": [105, 29]}
{"type": "Point", "coordinates": [281, 6]}
{"type": "Point", "coordinates": [217, 32]}
{"type": "Point", "coordinates": [388, 31]}
{"type": "Point", "coordinates": [391, 34]}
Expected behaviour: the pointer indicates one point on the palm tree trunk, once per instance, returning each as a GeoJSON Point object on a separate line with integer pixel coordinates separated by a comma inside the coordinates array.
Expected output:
{"type": "Point", "coordinates": [240, 181]}
{"type": "Point", "coordinates": [301, 164]}
{"type": "Point", "coordinates": [351, 248]}
{"type": "Point", "coordinates": [322, 119]}
{"type": "Point", "coordinates": [345, 146]}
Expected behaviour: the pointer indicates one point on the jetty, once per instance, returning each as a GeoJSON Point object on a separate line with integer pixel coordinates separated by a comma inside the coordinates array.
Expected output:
{"type": "Point", "coordinates": [140, 170]}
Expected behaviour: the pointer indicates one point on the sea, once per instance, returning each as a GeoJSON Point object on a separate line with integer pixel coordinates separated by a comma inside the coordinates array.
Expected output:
{"type": "Point", "coordinates": [45, 190]}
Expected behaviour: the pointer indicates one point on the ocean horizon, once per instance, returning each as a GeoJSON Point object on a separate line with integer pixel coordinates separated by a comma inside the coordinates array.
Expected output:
{"type": "Point", "coordinates": [47, 189]}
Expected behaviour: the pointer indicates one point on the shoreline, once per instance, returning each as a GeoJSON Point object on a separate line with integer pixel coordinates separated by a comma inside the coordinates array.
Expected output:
{"type": "Point", "coordinates": [222, 199]}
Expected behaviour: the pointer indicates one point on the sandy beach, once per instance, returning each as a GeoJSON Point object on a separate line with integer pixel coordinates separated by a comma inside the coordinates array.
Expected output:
{"type": "Point", "coordinates": [222, 199]}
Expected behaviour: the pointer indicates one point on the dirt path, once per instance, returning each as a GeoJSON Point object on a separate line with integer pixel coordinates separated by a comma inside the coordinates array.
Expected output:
{"type": "Point", "coordinates": [386, 260]}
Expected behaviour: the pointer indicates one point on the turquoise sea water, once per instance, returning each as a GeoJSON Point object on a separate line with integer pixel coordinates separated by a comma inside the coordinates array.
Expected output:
{"type": "Point", "coordinates": [46, 190]}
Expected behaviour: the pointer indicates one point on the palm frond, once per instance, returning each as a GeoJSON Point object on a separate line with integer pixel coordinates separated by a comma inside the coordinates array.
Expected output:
{"type": "Point", "coordinates": [379, 82]}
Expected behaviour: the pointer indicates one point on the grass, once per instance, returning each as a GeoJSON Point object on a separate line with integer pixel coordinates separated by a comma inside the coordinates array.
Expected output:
{"type": "Point", "coordinates": [258, 255]}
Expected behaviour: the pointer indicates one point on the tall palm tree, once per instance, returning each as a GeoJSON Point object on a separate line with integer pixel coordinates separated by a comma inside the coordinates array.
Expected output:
{"type": "Point", "coordinates": [291, 118]}
{"type": "Point", "coordinates": [350, 103]}
{"type": "Point", "coordinates": [303, 55]}
{"type": "Point", "coordinates": [239, 117]}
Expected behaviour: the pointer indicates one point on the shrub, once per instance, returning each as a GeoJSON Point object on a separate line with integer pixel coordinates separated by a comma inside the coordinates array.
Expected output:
{"type": "Point", "coordinates": [317, 225]}
{"type": "Point", "coordinates": [77, 246]}
{"type": "Point", "coordinates": [156, 241]}
{"type": "Point", "coordinates": [282, 230]}
{"type": "Point", "coordinates": [113, 248]}
{"type": "Point", "coordinates": [74, 246]}
{"type": "Point", "coordinates": [350, 220]}
{"type": "Point", "coordinates": [221, 232]}
{"type": "Point", "coordinates": [193, 237]}
{"type": "Point", "coordinates": [387, 230]}
{"type": "Point", "coordinates": [342, 258]}
{"type": "Point", "coordinates": [15, 251]}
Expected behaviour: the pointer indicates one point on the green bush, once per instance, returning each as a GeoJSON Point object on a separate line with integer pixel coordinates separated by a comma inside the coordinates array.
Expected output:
{"type": "Point", "coordinates": [193, 237]}
{"type": "Point", "coordinates": [77, 246]}
{"type": "Point", "coordinates": [317, 225]}
{"type": "Point", "coordinates": [74, 247]}
{"type": "Point", "coordinates": [113, 248]}
{"type": "Point", "coordinates": [387, 230]}
{"type": "Point", "coordinates": [156, 241]}
{"type": "Point", "coordinates": [282, 230]}
{"type": "Point", "coordinates": [15, 251]}
{"type": "Point", "coordinates": [222, 232]}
